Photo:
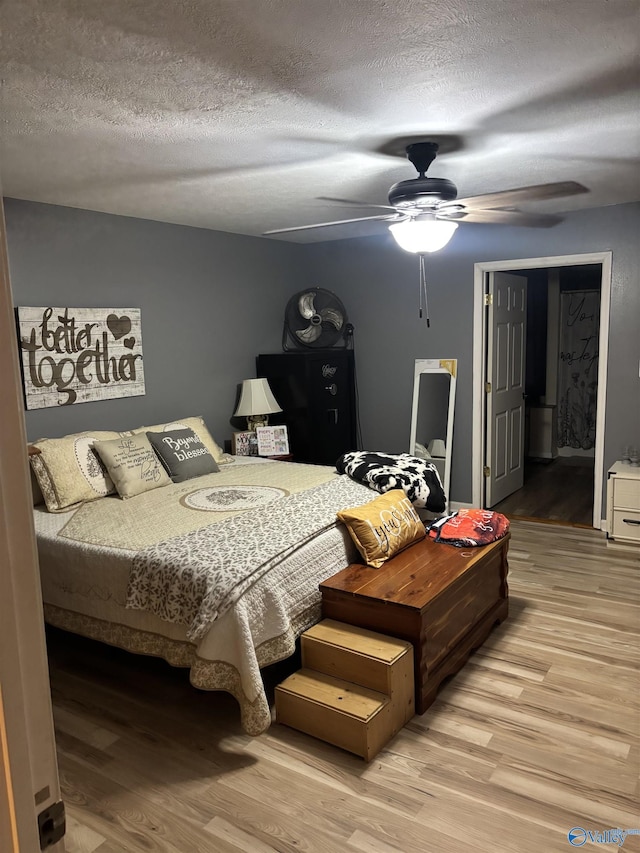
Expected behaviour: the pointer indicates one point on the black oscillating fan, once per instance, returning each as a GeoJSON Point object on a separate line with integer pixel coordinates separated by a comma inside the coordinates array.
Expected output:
{"type": "Point", "coordinates": [317, 319]}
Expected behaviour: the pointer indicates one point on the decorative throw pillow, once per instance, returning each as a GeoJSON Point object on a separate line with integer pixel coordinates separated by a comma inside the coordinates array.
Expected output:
{"type": "Point", "coordinates": [383, 527]}
{"type": "Point", "coordinates": [182, 453]}
{"type": "Point", "coordinates": [132, 465]}
{"type": "Point", "coordinates": [68, 470]}
{"type": "Point", "coordinates": [199, 427]}
{"type": "Point", "coordinates": [36, 491]}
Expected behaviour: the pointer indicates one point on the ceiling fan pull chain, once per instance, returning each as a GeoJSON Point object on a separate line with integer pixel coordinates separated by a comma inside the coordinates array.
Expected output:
{"type": "Point", "coordinates": [423, 291]}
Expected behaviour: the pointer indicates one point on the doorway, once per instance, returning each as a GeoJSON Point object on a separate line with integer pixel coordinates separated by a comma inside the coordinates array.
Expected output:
{"type": "Point", "coordinates": [563, 469]}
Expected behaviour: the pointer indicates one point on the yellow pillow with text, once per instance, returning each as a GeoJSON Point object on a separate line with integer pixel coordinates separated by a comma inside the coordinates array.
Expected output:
{"type": "Point", "coordinates": [383, 527]}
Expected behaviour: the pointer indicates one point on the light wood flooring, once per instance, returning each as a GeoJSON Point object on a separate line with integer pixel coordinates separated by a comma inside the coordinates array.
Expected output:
{"type": "Point", "coordinates": [539, 733]}
{"type": "Point", "coordinates": [555, 490]}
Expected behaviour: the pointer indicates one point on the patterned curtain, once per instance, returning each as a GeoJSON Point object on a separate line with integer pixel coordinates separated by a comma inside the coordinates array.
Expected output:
{"type": "Point", "coordinates": [578, 368]}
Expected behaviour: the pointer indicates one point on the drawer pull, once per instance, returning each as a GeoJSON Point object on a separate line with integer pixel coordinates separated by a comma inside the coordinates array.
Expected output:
{"type": "Point", "coordinates": [631, 520]}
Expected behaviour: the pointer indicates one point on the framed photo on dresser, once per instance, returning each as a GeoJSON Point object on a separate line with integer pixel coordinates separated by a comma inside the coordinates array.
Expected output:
{"type": "Point", "coordinates": [272, 441]}
{"type": "Point", "coordinates": [244, 443]}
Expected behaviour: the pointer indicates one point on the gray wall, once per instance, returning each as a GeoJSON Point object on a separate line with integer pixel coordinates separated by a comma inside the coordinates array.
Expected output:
{"type": "Point", "coordinates": [210, 302]}
{"type": "Point", "coordinates": [379, 285]}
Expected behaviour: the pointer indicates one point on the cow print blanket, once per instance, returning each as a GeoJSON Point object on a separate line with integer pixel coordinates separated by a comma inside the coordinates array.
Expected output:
{"type": "Point", "coordinates": [418, 478]}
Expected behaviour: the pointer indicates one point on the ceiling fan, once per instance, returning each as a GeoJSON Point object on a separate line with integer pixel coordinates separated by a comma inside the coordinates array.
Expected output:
{"type": "Point", "coordinates": [424, 212]}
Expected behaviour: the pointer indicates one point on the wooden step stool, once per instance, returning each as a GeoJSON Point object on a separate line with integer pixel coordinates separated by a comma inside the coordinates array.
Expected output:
{"type": "Point", "coordinates": [356, 688]}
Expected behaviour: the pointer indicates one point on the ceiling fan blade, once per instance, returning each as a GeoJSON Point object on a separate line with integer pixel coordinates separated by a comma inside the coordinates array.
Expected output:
{"type": "Point", "coordinates": [326, 224]}
{"type": "Point", "coordinates": [508, 217]}
{"type": "Point", "coordinates": [353, 203]}
{"type": "Point", "coordinates": [507, 198]}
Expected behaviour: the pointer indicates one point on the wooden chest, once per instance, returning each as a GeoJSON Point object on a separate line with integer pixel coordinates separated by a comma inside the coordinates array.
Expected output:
{"type": "Point", "coordinates": [355, 689]}
{"type": "Point", "coordinates": [443, 600]}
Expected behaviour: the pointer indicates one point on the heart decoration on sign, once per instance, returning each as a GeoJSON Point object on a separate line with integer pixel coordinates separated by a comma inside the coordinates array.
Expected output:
{"type": "Point", "coordinates": [118, 326]}
{"type": "Point", "coordinates": [129, 342]}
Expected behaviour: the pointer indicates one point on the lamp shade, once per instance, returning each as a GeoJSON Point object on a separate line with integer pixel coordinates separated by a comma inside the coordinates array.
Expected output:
{"type": "Point", "coordinates": [256, 398]}
{"type": "Point", "coordinates": [423, 234]}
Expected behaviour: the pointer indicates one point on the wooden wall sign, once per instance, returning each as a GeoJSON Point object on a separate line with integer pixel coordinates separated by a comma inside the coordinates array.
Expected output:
{"type": "Point", "coordinates": [74, 355]}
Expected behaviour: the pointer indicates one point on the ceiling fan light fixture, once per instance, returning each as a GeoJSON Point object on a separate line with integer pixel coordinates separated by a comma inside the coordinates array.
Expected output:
{"type": "Point", "coordinates": [420, 234]}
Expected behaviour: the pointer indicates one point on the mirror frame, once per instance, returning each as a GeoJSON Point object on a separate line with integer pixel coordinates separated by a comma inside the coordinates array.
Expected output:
{"type": "Point", "coordinates": [447, 366]}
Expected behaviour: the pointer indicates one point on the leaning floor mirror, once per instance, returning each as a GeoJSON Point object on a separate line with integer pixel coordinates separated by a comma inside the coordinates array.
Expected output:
{"type": "Point", "coordinates": [434, 394]}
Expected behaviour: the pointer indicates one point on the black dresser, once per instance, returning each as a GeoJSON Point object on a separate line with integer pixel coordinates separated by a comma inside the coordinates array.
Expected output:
{"type": "Point", "coordinates": [317, 392]}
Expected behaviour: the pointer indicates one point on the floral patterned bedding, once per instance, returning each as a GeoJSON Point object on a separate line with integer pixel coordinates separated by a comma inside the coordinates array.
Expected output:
{"type": "Point", "coordinates": [219, 573]}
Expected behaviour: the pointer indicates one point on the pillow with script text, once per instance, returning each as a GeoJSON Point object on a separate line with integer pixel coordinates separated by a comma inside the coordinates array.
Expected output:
{"type": "Point", "coordinates": [383, 527]}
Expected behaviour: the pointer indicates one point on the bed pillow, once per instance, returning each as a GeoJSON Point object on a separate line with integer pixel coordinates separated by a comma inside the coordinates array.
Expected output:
{"type": "Point", "coordinates": [199, 427]}
{"type": "Point", "coordinates": [68, 470]}
{"type": "Point", "coordinates": [383, 527]}
{"type": "Point", "coordinates": [132, 465]}
{"type": "Point", "coordinates": [182, 453]}
{"type": "Point", "coordinates": [36, 491]}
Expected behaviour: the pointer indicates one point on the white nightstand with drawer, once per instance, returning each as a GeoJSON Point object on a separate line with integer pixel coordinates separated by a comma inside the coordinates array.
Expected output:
{"type": "Point", "coordinates": [623, 503]}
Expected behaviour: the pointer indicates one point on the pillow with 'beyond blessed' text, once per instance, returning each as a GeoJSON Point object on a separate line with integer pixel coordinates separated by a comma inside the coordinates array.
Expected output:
{"type": "Point", "coordinates": [182, 453]}
{"type": "Point", "coordinates": [132, 465]}
{"type": "Point", "coordinates": [199, 427]}
{"type": "Point", "coordinates": [383, 527]}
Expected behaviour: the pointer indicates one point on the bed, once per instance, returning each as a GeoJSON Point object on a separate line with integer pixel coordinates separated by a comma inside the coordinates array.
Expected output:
{"type": "Point", "coordinates": [218, 573]}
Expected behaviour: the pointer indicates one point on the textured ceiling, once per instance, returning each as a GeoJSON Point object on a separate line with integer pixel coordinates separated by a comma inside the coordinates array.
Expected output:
{"type": "Point", "coordinates": [236, 114]}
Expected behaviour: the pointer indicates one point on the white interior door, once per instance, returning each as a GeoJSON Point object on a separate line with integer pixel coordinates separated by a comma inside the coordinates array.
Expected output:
{"type": "Point", "coordinates": [504, 452]}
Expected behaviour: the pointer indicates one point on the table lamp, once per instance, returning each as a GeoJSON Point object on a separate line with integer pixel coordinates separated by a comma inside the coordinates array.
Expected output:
{"type": "Point", "coordinates": [256, 403]}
